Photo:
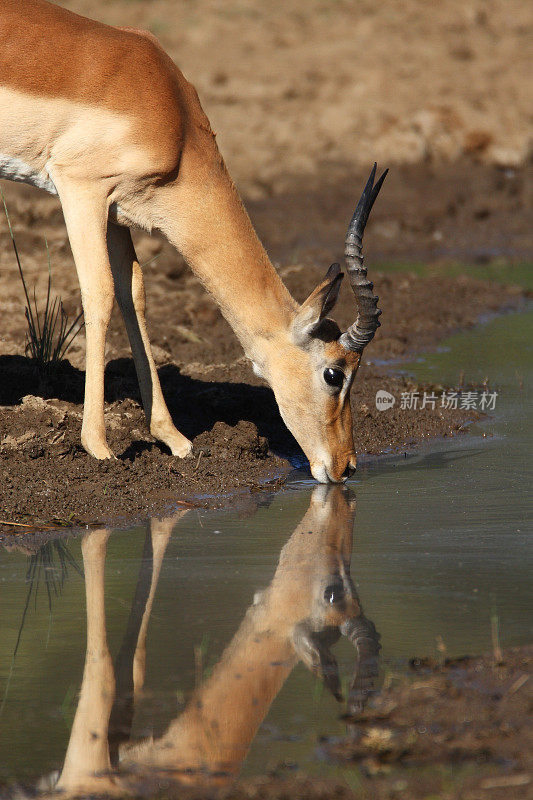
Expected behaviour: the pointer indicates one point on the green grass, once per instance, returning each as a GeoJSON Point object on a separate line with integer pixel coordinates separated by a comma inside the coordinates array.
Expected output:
{"type": "Point", "coordinates": [50, 332]}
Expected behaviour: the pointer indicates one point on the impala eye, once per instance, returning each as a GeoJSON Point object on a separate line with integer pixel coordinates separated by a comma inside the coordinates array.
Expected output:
{"type": "Point", "coordinates": [334, 593]}
{"type": "Point", "coordinates": [334, 377]}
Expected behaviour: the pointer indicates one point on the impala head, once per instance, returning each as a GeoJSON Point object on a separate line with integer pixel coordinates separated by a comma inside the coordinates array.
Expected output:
{"type": "Point", "coordinates": [333, 607]}
{"type": "Point", "coordinates": [314, 395]}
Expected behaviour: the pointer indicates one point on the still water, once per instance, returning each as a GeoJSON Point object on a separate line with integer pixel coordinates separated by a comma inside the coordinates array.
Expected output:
{"type": "Point", "coordinates": [201, 643]}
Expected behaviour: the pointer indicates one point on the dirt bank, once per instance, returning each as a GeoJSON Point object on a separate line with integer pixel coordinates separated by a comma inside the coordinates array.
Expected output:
{"type": "Point", "coordinates": [213, 395]}
{"type": "Point", "coordinates": [233, 421]}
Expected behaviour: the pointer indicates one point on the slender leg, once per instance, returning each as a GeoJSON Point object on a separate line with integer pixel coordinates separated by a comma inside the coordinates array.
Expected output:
{"type": "Point", "coordinates": [85, 212]}
{"type": "Point", "coordinates": [121, 719]}
{"type": "Point", "coordinates": [87, 765]}
{"type": "Point", "coordinates": [161, 531]}
{"type": "Point", "coordinates": [130, 294]}
{"type": "Point", "coordinates": [130, 666]}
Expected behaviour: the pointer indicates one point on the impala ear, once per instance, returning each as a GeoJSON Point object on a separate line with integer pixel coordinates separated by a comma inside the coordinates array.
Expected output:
{"type": "Point", "coordinates": [319, 303]}
{"type": "Point", "coordinates": [312, 647]}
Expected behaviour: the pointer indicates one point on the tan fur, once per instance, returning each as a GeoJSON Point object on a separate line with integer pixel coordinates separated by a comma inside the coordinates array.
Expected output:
{"type": "Point", "coordinates": [103, 116]}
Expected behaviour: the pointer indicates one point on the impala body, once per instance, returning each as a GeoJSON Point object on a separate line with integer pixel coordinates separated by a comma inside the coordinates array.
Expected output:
{"type": "Point", "coordinates": [310, 601]}
{"type": "Point", "coordinates": [103, 118]}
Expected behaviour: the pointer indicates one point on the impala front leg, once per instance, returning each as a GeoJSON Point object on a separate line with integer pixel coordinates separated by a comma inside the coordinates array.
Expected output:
{"type": "Point", "coordinates": [130, 294]}
{"type": "Point", "coordinates": [85, 211]}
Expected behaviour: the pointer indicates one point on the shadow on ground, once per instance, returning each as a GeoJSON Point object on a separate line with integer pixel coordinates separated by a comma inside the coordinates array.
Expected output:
{"type": "Point", "coordinates": [195, 405]}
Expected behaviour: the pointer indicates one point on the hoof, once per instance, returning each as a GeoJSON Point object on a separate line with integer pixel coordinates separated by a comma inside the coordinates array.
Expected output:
{"type": "Point", "coordinates": [98, 450]}
{"type": "Point", "coordinates": [178, 444]}
{"type": "Point", "coordinates": [182, 450]}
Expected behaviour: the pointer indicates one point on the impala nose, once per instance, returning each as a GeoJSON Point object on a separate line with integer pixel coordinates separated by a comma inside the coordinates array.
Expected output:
{"type": "Point", "coordinates": [348, 472]}
{"type": "Point", "coordinates": [322, 474]}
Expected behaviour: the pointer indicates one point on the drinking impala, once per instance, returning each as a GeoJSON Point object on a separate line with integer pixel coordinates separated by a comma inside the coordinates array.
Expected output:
{"type": "Point", "coordinates": [103, 118]}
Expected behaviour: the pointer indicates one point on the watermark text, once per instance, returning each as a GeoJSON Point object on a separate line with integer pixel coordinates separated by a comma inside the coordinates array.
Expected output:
{"type": "Point", "coordinates": [471, 400]}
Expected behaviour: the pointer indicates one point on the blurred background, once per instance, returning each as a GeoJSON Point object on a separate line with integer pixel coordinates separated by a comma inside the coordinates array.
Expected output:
{"type": "Point", "coordinates": [303, 88]}
{"type": "Point", "coordinates": [304, 96]}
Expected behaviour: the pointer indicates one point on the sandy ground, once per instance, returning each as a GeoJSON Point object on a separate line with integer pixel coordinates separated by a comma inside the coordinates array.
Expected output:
{"type": "Point", "coordinates": [297, 88]}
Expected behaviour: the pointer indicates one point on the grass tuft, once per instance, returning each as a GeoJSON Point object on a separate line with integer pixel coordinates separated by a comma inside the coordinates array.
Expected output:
{"type": "Point", "coordinates": [49, 333]}
{"type": "Point", "coordinates": [50, 564]}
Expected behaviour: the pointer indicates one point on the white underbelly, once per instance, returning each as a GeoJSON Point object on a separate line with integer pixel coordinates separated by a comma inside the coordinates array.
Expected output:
{"type": "Point", "coordinates": [14, 169]}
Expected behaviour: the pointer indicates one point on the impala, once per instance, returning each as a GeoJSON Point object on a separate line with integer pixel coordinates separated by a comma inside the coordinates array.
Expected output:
{"type": "Point", "coordinates": [310, 601]}
{"type": "Point", "coordinates": [102, 117]}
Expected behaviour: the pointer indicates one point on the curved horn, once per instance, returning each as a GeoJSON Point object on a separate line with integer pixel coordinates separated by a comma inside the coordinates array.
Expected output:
{"type": "Point", "coordinates": [363, 635]}
{"type": "Point", "coordinates": [362, 331]}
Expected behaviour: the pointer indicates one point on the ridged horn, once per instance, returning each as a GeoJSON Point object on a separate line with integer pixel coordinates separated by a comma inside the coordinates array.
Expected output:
{"type": "Point", "coordinates": [362, 331]}
{"type": "Point", "coordinates": [363, 635]}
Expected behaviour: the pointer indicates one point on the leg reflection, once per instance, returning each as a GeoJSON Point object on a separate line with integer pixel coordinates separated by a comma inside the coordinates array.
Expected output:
{"type": "Point", "coordinates": [309, 603]}
{"type": "Point", "coordinates": [130, 666]}
{"type": "Point", "coordinates": [87, 766]}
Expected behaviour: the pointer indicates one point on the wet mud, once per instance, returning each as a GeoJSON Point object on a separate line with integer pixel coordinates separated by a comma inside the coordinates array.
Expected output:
{"type": "Point", "coordinates": [240, 442]}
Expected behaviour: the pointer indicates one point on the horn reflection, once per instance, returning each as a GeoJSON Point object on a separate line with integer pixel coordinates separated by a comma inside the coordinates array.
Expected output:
{"type": "Point", "coordinates": [310, 601]}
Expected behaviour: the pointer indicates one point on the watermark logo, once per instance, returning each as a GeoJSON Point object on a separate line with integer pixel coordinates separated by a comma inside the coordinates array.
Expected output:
{"type": "Point", "coordinates": [412, 401]}
{"type": "Point", "coordinates": [384, 400]}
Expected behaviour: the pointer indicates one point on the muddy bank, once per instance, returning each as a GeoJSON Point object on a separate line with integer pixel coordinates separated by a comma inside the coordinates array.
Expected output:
{"type": "Point", "coordinates": [240, 442]}
{"type": "Point", "coordinates": [468, 712]}
{"type": "Point", "coordinates": [239, 439]}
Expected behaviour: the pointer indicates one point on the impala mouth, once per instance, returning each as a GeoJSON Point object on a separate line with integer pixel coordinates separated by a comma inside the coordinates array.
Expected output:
{"type": "Point", "coordinates": [321, 474]}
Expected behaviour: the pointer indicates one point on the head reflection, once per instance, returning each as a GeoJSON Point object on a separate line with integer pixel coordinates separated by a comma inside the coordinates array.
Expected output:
{"type": "Point", "coordinates": [310, 602]}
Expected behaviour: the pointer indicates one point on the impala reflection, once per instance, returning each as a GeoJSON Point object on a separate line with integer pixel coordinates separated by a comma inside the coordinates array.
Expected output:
{"type": "Point", "coordinates": [310, 602]}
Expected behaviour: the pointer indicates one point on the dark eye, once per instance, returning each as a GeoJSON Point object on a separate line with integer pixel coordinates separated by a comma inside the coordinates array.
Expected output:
{"type": "Point", "coordinates": [334, 593]}
{"type": "Point", "coordinates": [334, 377]}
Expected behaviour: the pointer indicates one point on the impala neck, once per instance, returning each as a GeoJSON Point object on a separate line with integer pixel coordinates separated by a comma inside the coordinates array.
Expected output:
{"type": "Point", "coordinates": [206, 220]}
{"type": "Point", "coordinates": [213, 735]}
